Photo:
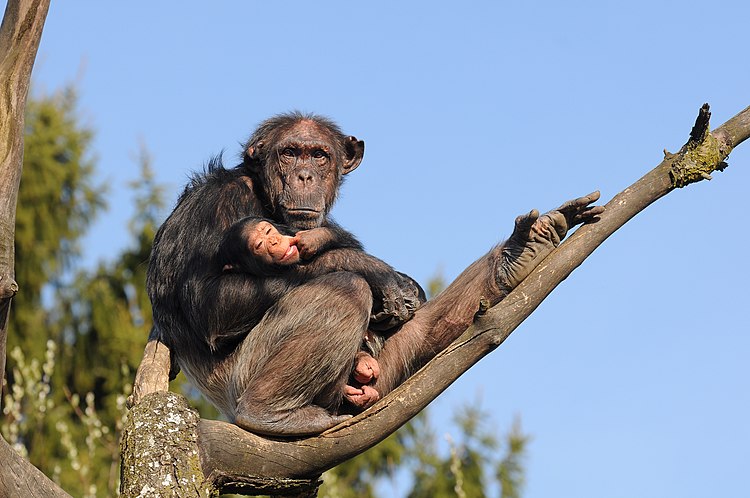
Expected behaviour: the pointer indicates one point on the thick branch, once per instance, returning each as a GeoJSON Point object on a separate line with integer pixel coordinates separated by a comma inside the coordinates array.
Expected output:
{"type": "Point", "coordinates": [160, 451]}
{"type": "Point", "coordinates": [20, 34]}
{"type": "Point", "coordinates": [735, 131]}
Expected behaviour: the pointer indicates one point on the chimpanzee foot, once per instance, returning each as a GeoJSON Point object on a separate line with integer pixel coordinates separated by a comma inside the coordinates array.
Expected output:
{"type": "Point", "coordinates": [361, 397]}
{"type": "Point", "coordinates": [305, 421]}
{"type": "Point", "coordinates": [366, 368]}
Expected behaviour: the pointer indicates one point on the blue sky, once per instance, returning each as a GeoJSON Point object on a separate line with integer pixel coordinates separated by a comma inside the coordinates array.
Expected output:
{"type": "Point", "coordinates": [632, 376]}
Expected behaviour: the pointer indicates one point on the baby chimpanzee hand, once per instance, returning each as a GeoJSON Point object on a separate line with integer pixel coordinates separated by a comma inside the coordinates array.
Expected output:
{"type": "Point", "coordinates": [310, 242]}
{"type": "Point", "coordinates": [534, 237]}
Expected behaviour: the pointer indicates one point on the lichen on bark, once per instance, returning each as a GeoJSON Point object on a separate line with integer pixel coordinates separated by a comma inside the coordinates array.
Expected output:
{"type": "Point", "coordinates": [160, 450]}
{"type": "Point", "coordinates": [700, 157]}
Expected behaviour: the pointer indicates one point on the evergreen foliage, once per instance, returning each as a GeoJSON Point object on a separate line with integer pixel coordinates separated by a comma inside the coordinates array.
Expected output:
{"type": "Point", "coordinates": [64, 413]}
{"type": "Point", "coordinates": [510, 470]}
{"type": "Point", "coordinates": [57, 201]}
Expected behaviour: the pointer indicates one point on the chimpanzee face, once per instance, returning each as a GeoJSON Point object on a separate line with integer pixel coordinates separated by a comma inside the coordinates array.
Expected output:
{"type": "Point", "coordinates": [300, 169]}
{"type": "Point", "coordinates": [306, 170]}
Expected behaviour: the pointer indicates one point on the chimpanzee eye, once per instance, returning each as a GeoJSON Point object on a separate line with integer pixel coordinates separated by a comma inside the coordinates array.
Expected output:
{"type": "Point", "coordinates": [288, 152]}
{"type": "Point", "coordinates": [319, 154]}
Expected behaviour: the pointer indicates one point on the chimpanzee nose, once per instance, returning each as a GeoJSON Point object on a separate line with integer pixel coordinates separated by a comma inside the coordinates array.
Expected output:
{"type": "Point", "coordinates": [305, 177]}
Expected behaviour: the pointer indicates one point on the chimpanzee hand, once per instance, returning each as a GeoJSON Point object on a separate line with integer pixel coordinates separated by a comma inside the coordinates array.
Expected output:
{"type": "Point", "coordinates": [534, 237]}
{"type": "Point", "coordinates": [573, 213]}
{"type": "Point", "coordinates": [395, 299]}
{"type": "Point", "coordinates": [358, 391]}
{"type": "Point", "coordinates": [310, 242]}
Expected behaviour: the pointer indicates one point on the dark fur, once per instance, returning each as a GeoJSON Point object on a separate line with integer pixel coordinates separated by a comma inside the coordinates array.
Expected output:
{"type": "Point", "coordinates": [273, 351]}
{"type": "Point", "coordinates": [236, 334]}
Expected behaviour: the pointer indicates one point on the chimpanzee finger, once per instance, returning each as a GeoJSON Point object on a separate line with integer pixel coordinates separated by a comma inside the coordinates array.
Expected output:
{"type": "Point", "coordinates": [588, 214]}
{"type": "Point", "coordinates": [581, 202]}
{"type": "Point", "coordinates": [559, 224]}
{"type": "Point", "coordinates": [402, 311]}
{"type": "Point", "coordinates": [524, 223]}
{"type": "Point", "coordinates": [366, 368]}
{"type": "Point", "coordinates": [588, 199]}
{"type": "Point", "coordinates": [361, 397]}
{"type": "Point", "coordinates": [394, 303]}
{"type": "Point", "coordinates": [575, 210]}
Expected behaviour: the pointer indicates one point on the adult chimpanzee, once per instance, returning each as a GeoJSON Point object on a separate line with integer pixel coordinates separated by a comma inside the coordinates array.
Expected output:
{"type": "Point", "coordinates": [274, 350]}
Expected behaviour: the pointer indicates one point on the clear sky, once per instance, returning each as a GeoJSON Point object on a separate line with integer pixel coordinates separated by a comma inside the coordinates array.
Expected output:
{"type": "Point", "coordinates": [632, 378]}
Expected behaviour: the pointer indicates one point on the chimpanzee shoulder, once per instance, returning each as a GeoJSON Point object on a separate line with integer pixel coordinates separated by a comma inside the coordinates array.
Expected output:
{"type": "Point", "coordinates": [186, 243]}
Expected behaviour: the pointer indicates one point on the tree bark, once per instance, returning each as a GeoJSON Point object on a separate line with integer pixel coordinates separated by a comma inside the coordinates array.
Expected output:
{"type": "Point", "coordinates": [152, 375]}
{"type": "Point", "coordinates": [233, 459]}
{"type": "Point", "coordinates": [159, 449]}
{"type": "Point", "coordinates": [20, 33]}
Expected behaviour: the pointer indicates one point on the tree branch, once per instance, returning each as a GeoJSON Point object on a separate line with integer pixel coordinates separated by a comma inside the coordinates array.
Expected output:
{"type": "Point", "coordinates": [229, 454]}
{"type": "Point", "coordinates": [153, 372]}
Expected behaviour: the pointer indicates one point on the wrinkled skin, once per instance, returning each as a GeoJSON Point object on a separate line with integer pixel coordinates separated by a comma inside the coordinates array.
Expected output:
{"type": "Point", "coordinates": [534, 237]}
{"type": "Point", "coordinates": [272, 248]}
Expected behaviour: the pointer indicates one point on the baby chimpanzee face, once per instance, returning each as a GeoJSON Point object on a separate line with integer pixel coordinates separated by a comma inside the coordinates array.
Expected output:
{"type": "Point", "coordinates": [270, 247]}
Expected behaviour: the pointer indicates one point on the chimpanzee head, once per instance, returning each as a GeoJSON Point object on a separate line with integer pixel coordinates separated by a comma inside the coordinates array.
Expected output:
{"type": "Point", "coordinates": [298, 161]}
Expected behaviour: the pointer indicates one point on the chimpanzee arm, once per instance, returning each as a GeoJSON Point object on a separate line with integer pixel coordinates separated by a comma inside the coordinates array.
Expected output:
{"type": "Point", "coordinates": [236, 247]}
{"type": "Point", "coordinates": [329, 236]}
{"type": "Point", "coordinates": [395, 296]}
{"type": "Point", "coordinates": [192, 298]}
{"type": "Point", "coordinates": [327, 249]}
{"type": "Point", "coordinates": [227, 306]}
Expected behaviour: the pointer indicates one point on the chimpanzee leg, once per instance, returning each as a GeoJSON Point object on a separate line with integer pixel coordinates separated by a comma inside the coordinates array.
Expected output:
{"type": "Point", "coordinates": [441, 320]}
{"type": "Point", "coordinates": [291, 370]}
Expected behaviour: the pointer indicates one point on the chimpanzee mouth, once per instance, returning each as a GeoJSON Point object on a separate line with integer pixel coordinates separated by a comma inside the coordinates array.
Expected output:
{"type": "Point", "coordinates": [303, 212]}
{"type": "Point", "coordinates": [303, 218]}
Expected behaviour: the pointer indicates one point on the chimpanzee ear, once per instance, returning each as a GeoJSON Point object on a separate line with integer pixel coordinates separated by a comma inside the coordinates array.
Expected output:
{"type": "Point", "coordinates": [355, 150]}
{"type": "Point", "coordinates": [252, 157]}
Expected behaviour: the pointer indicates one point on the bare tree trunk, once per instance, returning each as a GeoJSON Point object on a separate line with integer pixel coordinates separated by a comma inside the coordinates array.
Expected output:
{"type": "Point", "coordinates": [20, 33]}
